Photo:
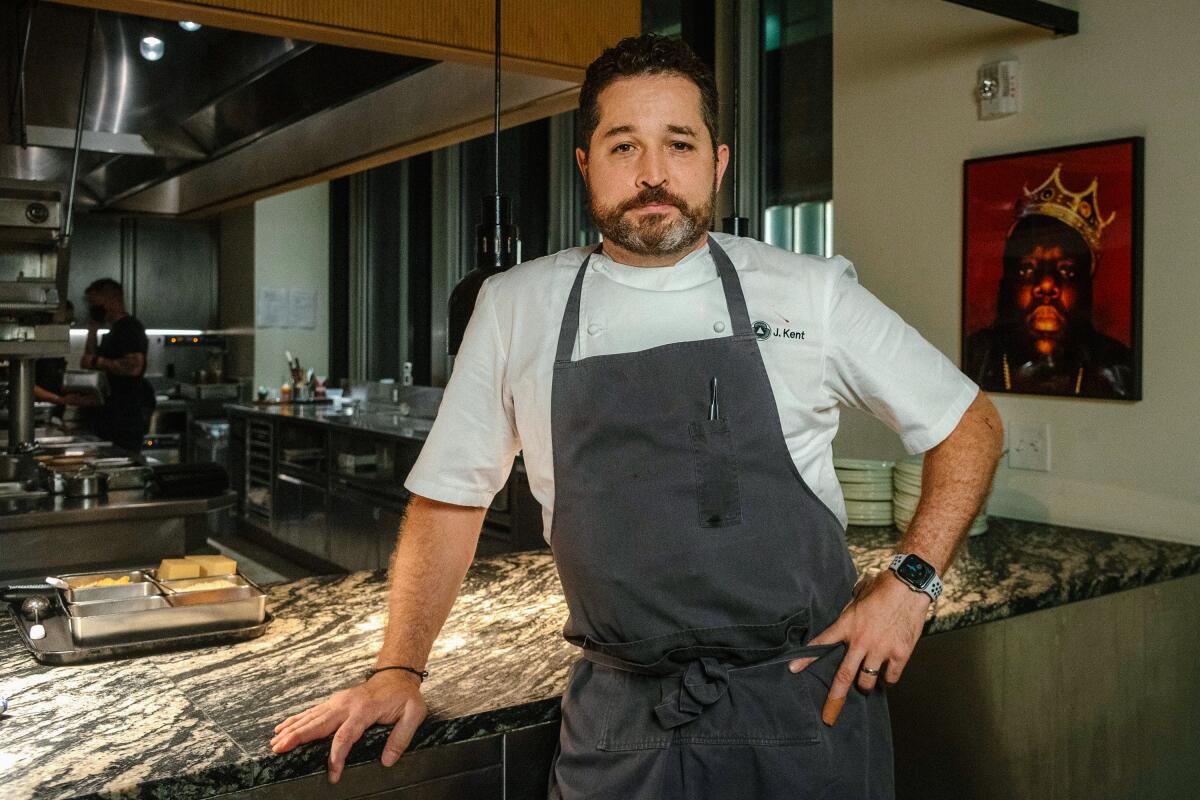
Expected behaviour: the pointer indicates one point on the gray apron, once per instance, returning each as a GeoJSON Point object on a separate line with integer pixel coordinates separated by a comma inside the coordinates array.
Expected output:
{"type": "Point", "coordinates": [696, 563]}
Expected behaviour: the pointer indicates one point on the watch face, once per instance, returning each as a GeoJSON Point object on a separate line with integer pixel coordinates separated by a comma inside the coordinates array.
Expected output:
{"type": "Point", "coordinates": [915, 570]}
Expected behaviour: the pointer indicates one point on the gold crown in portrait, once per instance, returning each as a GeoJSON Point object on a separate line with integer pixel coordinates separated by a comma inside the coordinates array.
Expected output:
{"type": "Point", "coordinates": [1075, 209]}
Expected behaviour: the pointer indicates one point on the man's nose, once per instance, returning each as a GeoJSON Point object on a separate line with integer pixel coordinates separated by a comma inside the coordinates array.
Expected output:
{"type": "Point", "coordinates": [652, 169]}
{"type": "Point", "coordinates": [1047, 287]}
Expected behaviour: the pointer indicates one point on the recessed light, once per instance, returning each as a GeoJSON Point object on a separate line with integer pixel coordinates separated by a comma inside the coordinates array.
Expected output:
{"type": "Point", "coordinates": [189, 26]}
{"type": "Point", "coordinates": [152, 48]}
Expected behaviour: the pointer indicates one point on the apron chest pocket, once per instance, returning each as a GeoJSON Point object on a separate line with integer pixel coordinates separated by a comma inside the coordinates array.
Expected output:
{"type": "Point", "coordinates": [717, 493]}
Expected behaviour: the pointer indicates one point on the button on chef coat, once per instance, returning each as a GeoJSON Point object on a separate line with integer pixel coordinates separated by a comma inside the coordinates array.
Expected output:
{"type": "Point", "coordinates": [826, 342]}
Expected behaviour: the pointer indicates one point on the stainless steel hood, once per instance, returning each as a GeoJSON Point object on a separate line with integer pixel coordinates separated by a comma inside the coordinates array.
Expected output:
{"type": "Point", "coordinates": [225, 116]}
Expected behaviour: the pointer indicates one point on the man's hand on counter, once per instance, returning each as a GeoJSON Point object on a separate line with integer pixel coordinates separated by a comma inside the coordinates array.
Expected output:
{"type": "Point", "coordinates": [387, 698]}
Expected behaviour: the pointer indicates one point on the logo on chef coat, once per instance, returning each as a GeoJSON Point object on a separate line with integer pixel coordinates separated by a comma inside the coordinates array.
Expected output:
{"type": "Point", "coordinates": [764, 331]}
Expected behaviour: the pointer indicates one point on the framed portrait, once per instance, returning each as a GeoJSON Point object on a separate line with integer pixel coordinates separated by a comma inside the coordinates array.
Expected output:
{"type": "Point", "coordinates": [1052, 267]}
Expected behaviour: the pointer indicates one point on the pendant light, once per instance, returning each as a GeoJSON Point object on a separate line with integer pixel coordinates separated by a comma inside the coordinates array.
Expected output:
{"type": "Point", "coordinates": [497, 238]}
{"type": "Point", "coordinates": [737, 225]}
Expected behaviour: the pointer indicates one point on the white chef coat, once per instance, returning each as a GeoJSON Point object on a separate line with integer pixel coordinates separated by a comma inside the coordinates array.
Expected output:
{"type": "Point", "coordinates": [825, 341]}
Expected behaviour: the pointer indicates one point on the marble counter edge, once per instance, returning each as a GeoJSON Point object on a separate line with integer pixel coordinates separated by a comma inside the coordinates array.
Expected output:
{"type": "Point", "coordinates": [309, 759]}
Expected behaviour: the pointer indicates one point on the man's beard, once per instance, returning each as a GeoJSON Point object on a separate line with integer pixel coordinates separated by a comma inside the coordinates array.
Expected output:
{"type": "Point", "coordinates": [654, 234]}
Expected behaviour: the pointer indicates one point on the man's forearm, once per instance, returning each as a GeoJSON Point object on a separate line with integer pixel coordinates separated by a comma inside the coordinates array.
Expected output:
{"type": "Point", "coordinates": [437, 543]}
{"type": "Point", "coordinates": [130, 365]}
{"type": "Point", "coordinates": [954, 484]}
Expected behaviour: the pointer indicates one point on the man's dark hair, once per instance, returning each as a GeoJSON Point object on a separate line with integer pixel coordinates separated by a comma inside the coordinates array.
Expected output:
{"type": "Point", "coordinates": [649, 54]}
{"type": "Point", "coordinates": [104, 285]}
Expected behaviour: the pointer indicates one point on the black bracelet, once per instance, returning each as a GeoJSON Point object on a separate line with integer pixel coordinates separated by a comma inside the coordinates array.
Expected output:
{"type": "Point", "coordinates": [420, 673]}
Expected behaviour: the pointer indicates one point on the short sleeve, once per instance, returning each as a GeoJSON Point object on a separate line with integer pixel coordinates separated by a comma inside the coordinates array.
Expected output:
{"type": "Point", "coordinates": [126, 336]}
{"type": "Point", "coordinates": [470, 449]}
{"type": "Point", "coordinates": [876, 362]}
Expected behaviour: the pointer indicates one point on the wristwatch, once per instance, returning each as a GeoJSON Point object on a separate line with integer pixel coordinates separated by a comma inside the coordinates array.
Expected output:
{"type": "Point", "coordinates": [918, 573]}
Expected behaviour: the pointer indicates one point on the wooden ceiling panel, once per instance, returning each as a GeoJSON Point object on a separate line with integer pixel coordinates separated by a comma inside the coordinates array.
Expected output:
{"type": "Point", "coordinates": [550, 38]}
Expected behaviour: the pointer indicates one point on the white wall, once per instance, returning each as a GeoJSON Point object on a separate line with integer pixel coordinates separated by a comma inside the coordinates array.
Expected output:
{"type": "Point", "coordinates": [904, 121]}
{"type": "Point", "coordinates": [291, 250]}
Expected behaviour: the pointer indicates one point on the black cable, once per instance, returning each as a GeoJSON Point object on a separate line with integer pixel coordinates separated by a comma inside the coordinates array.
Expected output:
{"type": "Point", "coordinates": [68, 224]}
{"type": "Point", "coordinates": [496, 143]}
{"type": "Point", "coordinates": [17, 109]}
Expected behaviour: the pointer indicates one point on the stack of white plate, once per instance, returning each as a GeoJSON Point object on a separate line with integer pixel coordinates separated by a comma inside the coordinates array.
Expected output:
{"type": "Point", "coordinates": [906, 479]}
{"type": "Point", "coordinates": [867, 487]}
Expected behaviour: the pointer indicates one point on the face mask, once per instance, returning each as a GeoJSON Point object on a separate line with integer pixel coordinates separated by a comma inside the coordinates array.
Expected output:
{"type": "Point", "coordinates": [96, 313]}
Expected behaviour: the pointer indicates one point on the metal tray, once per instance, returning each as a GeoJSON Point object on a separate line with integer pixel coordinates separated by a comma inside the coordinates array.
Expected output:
{"type": "Point", "coordinates": [140, 585]}
{"type": "Point", "coordinates": [182, 591]}
{"type": "Point", "coordinates": [130, 477]}
{"type": "Point", "coordinates": [137, 618]}
{"type": "Point", "coordinates": [58, 648]}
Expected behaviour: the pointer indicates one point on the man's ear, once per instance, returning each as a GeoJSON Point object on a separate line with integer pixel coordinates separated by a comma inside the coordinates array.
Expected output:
{"type": "Point", "coordinates": [722, 159]}
{"type": "Point", "coordinates": [581, 161]}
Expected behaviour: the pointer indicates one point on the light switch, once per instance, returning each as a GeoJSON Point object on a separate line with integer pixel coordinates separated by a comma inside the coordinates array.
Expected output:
{"type": "Point", "coordinates": [1029, 446]}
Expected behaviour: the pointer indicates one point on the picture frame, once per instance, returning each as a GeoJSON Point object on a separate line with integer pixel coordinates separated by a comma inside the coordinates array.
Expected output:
{"type": "Point", "coordinates": [1052, 270]}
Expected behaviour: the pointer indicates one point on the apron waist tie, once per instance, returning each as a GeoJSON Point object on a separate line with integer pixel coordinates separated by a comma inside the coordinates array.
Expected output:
{"type": "Point", "coordinates": [703, 683]}
{"type": "Point", "coordinates": [706, 680]}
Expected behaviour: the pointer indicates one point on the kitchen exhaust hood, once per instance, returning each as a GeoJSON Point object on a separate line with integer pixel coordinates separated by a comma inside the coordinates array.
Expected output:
{"type": "Point", "coordinates": [227, 116]}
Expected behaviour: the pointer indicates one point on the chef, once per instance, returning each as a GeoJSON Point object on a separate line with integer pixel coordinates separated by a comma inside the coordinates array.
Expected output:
{"type": "Point", "coordinates": [121, 354]}
{"type": "Point", "coordinates": [675, 394]}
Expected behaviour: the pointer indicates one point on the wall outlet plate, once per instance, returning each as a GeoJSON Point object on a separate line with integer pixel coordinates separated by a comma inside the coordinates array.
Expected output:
{"type": "Point", "coordinates": [1029, 446]}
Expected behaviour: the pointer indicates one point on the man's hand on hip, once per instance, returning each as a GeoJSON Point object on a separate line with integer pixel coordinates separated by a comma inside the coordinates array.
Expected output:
{"type": "Point", "coordinates": [880, 627]}
{"type": "Point", "coordinates": [388, 698]}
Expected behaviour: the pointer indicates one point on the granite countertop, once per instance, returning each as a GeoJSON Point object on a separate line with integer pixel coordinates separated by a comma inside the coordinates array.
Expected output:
{"type": "Point", "coordinates": [197, 723]}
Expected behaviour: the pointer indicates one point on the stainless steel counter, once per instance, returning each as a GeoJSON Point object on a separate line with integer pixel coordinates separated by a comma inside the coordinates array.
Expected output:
{"type": "Point", "coordinates": [384, 423]}
{"type": "Point", "coordinates": [127, 527]}
{"type": "Point", "coordinates": [128, 506]}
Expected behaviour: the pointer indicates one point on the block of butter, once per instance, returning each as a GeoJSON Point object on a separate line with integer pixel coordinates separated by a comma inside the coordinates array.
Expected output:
{"type": "Point", "coordinates": [213, 565]}
{"type": "Point", "coordinates": [172, 569]}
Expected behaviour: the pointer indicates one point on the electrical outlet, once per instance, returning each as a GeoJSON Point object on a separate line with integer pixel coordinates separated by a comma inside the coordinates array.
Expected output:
{"type": "Point", "coordinates": [1029, 446]}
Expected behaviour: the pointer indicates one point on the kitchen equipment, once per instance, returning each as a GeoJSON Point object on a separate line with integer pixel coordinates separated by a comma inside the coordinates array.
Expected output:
{"type": "Point", "coordinates": [75, 588]}
{"type": "Point", "coordinates": [20, 591]}
{"type": "Point", "coordinates": [89, 382]}
{"type": "Point", "coordinates": [189, 480]}
{"type": "Point", "coordinates": [162, 448]}
{"type": "Point", "coordinates": [123, 478]}
{"type": "Point", "coordinates": [57, 648]}
{"type": "Point", "coordinates": [52, 479]}
{"type": "Point", "coordinates": [34, 608]}
{"type": "Point", "coordinates": [85, 482]}
{"type": "Point", "coordinates": [356, 463]}
{"type": "Point", "coordinates": [139, 618]}
{"type": "Point", "coordinates": [209, 391]}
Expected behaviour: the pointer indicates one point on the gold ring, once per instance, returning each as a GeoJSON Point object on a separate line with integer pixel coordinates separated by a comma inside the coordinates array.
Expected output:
{"type": "Point", "coordinates": [871, 672]}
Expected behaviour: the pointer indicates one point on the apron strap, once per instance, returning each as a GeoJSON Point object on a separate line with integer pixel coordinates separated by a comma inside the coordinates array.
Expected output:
{"type": "Point", "coordinates": [735, 301]}
{"type": "Point", "coordinates": [569, 328]}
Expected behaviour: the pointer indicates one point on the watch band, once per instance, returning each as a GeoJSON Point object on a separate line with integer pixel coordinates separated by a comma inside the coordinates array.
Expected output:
{"type": "Point", "coordinates": [933, 587]}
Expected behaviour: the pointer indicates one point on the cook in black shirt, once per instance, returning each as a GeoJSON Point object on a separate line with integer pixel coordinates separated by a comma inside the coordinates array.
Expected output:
{"type": "Point", "coordinates": [121, 354]}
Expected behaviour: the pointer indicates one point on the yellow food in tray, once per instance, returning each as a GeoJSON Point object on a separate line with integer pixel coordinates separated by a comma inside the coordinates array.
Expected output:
{"type": "Point", "coordinates": [173, 569]}
{"type": "Point", "coordinates": [213, 565]}
{"type": "Point", "coordinates": [205, 586]}
{"type": "Point", "coordinates": [101, 582]}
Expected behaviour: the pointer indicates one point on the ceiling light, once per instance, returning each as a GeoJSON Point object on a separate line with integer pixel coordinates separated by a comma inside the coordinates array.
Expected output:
{"type": "Point", "coordinates": [152, 48]}
{"type": "Point", "coordinates": [189, 26]}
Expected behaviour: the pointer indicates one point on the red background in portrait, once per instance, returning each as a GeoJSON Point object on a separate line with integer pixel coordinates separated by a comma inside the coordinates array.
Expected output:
{"type": "Point", "coordinates": [993, 189]}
